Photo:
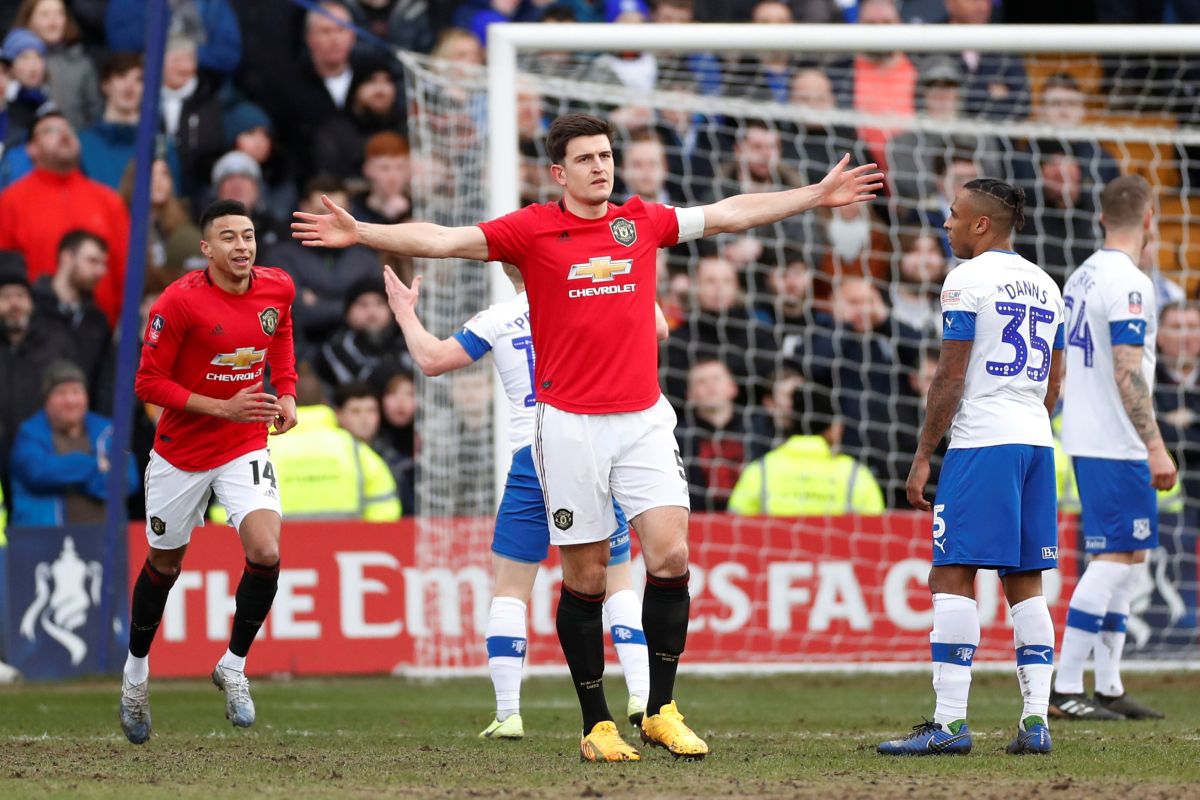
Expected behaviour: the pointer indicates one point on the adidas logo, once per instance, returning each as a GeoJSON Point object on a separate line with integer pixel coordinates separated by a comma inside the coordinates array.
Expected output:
{"type": "Point", "coordinates": [1076, 707]}
{"type": "Point", "coordinates": [217, 330]}
{"type": "Point", "coordinates": [565, 235]}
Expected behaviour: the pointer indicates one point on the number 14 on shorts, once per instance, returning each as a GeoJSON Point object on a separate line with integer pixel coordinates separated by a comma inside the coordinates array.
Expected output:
{"type": "Point", "coordinates": [263, 472]}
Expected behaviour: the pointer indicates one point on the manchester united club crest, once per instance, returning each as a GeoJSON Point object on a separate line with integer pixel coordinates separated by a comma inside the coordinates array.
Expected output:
{"type": "Point", "coordinates": [623, 231]}
{"type": "Point", "coordinates": [158, 526]}
{"type": "Point", "coordinates": [563, 519]}
{"type": "Point", "coordinates": [269, 319]}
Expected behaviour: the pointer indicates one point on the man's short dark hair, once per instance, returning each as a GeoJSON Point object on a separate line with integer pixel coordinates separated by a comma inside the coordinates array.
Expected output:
{"type": "Point", "coordinates": [559, 13]}
{"type": "Point", "coordinates": [812, 409]}
{"type": "Point", "coordinates": [47, 110]}
{"type": "Point", "coordinates": [754, 123]}
{"type": "Point", "coordinates": [1179, 306]}
{"type": "Point", "coordinates": [572, 126]}
{"type": "Point", "coordinates": [73, 240]}
{"type": "Point", "coordinates": [221, 208]}
{"type": "Point", "coordinates": [1006, 203]}
{"type": "Point", "coordinates": [324, 183]}
{"type": "Point", "coordinates": [354, 390]}
{"type": "Point", "coordinates": [941, 162]}
{"type": "Point", "coordinates": [119, 64]}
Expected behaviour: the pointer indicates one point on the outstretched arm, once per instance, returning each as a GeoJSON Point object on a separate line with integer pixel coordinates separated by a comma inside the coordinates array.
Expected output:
{"type": "Point", "coordinates": [1139, 406]}
{"type": "Point", "coordinates": [415, 239]}
{"type": "Point", "coordinates": [944, 394]}
{"type": "Point", "coordinates": [840, 187]}
{"type": "Point", "coordinates": [433, 355]}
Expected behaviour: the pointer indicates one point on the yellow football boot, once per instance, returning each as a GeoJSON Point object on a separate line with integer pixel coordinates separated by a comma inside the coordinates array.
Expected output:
{"type": "Point", "coordinates": [666, 729]}
{"type": "Point", "coordinates": [511, 728]}
{"type": "Point", "coordinates": [604, 743]}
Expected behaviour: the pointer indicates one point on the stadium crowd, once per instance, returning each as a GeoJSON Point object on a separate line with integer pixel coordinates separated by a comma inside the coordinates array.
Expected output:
{"type": "Point", "coordinates": [848, 300]}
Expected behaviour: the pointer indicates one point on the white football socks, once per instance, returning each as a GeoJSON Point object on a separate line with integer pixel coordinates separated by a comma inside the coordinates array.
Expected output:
{"type": "Point", "coordinates": [506, 643]}
{"type": "Point", "coordinates": [1085, 617]}
{"type": "Point", "coordinates": [624, 611]}
{"type": "Point", "coordinates": [137, 670]}
{"type": "Point", "coordinates": [233, 662]}
{"type": "Point", "coordinates": [1033, 636]}
{"type": "Point", "coordinates": [953, 641]}
{"type": "Point", "coordinates": [1111, 642]}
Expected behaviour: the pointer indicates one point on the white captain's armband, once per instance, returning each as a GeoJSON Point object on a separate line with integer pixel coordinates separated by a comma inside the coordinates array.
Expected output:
{"type": "Point", "coordinates": [691, 223]}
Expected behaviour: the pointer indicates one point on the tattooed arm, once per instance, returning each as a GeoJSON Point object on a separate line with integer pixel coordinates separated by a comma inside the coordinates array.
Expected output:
{"type": "Point", "coordinates": [944, 394]}
{"type": "Point", "coordinates": [1054, 387]}
{"type": "Point", "coordinates": [1139, 406]}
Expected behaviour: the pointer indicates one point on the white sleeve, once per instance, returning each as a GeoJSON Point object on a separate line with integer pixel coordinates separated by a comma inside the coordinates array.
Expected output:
{"type": "Point", "coordinates": [1129, 298]}
{"type": "Point", "coordinates": [958, 293]}
{"type": "Point", "coordinates": [691, 223]}
{"type": "Point", "coordinates": [483, 325]}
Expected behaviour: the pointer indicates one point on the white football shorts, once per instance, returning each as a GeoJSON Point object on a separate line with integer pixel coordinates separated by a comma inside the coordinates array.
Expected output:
{"type": "Point", "coordinates": [585, 461]}
{"type": "Point", "coordinates": [176, 499]}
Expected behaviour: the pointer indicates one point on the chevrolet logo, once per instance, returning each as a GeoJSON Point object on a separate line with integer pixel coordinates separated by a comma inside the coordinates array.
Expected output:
{"type": "Point", "coordinates": [242, 358]}
{"type": "Point", "coordinates": [600, 269]}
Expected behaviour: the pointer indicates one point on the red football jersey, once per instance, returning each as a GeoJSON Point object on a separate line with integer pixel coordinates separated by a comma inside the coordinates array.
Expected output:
{"type": "Point", "coordinates": [591, 286]}
{"type": "Point", "coordinates": [204, 340]}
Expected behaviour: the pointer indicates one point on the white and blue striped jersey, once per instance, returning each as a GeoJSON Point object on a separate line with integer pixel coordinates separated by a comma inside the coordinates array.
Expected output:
{"type": "Point", "coordinates": [1110, 301]}
{"type": "Point", "coordinates": [503, 329]}
{"type": "Point", "coordinates": [1012, 311]}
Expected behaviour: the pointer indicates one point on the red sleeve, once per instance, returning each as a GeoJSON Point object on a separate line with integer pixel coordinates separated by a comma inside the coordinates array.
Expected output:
{"type": "Point", "coordinates": [665, 224]}
{"type": "Point", "coordinates": [160, 348]}
{"type": "Point", "coordinates": [8, 240]}
{"type": "Point", "coordinates": [281, 354]}
{"type": "Point", "coordinates": [507, 236]}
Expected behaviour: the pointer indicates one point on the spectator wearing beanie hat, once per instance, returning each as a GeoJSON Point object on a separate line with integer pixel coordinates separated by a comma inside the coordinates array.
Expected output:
{"type": "Point", "coordinates": [321, 275]}
{"type": "Point", "coordinates": [373, 104]}
{"type": "Point", "coordinates": [26, 54]}
{"type": "Point", "coordinates": [249, 130]}
{"type": "Point", "coordinates": [60, 456]}
{"type": "Point", "coordinates": [369, 340]}
{"type": "Point", "coordinates": [388, 171]}
{"type": "Point", "coordinates": [237, 176]}
{"type": "Point", "coordinates": [72, 77]}
{"type": "Point", "coordinates": [27, 347]}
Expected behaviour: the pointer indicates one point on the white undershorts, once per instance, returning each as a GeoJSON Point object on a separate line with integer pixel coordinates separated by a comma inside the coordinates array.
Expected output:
{"type": "Point", "coordinates": [176, 499]}
{"type": "Point", "coordinates": [585, 461]}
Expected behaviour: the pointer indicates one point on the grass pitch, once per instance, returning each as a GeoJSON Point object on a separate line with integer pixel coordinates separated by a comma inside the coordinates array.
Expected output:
{"type": "Point", "coordinates": [788, 736]}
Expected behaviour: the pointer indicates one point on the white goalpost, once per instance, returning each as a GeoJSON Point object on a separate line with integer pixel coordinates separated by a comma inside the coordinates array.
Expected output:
{"type": "Point", "coordinates": [847, 591]}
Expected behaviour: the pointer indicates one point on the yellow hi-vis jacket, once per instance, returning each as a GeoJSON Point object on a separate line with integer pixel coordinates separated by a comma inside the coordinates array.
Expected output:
{"type": "Point", "coordinates": [325, 473]}
{"type": "Point", "coordinates": [804, 478]}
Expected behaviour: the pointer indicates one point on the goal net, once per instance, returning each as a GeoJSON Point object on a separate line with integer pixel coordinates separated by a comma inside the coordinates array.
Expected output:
{"type": "Point", "coordinates": [848, 299]}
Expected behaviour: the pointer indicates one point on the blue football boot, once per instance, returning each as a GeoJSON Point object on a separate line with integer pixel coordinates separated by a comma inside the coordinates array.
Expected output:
{"type": "Point", "coordinates": [931, 739]}
{"type": "Point", "coordinates": [1033, 737]}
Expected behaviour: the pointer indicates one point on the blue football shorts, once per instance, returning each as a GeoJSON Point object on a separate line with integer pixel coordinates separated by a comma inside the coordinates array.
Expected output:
{"type": "Point", "coordinates": [522, 530]}
{"type": "Point", "coordinates": [1120, 507]}
{"type": "Point", "coordinates": [996, 508]}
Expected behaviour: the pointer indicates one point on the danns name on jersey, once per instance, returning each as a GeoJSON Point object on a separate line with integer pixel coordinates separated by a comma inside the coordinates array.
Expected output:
{"type": "Point", "coordinates": [1024, 289]}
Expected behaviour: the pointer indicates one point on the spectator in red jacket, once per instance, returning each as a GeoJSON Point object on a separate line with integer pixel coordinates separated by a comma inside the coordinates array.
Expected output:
{"type": "Point", "coordinates": [38, 210]}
